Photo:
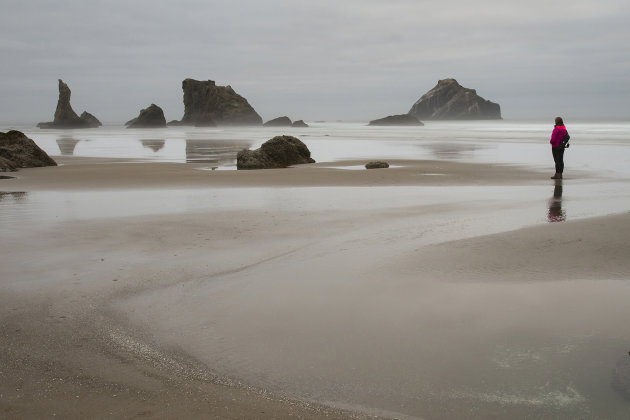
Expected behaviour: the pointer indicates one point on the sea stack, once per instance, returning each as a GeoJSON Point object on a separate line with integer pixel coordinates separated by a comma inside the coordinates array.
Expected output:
{"type": "Point", "coordinates": [299, 124]}
{"type": "Point", "coordinates": [206, 104]}
{"type": "Point", "coordinates": [278, 122]}
{"type": "Point", "coordinates": [90, 119]}
{"type": "Point", "coordinates": [149, 117]}
{"type": "Point", "coordinates": [65, 117]}
{"type": "Point", "coordinates": [402, 119]}
{"type": "Point", "coordinates": [448, 100]}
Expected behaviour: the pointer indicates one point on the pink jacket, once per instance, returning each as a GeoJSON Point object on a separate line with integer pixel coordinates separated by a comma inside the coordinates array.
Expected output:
{"type": "Point", "coordinates": [557, 135]}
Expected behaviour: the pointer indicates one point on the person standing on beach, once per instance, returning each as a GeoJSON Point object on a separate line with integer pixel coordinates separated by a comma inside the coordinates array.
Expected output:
{"type": "Point", "coordinates": [557, 148]}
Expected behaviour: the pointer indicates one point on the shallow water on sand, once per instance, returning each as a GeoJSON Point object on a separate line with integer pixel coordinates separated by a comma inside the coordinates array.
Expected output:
{"type": "Point", "coordinates": [595, 146]}
{"type": "Point", "coordinates": [343, 316]}
{"type": "Point", "coordinates": [518, 205]}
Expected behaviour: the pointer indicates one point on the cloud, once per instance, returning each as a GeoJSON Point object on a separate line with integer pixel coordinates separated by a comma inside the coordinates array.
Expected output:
{"type": "Point", "coordinates": [325, 59]}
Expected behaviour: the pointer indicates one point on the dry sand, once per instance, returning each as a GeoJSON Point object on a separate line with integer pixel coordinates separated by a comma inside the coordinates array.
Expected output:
{"type": "Point", "coordinates": [108, 318]}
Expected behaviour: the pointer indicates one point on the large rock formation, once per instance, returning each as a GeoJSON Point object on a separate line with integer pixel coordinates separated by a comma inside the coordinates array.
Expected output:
{"type": "Point", "coordinates": [90, 119]}
{"type": "Point", "coordinates": [278, 122]}
{"type": "Point", "coordinates": [403, 119]}
{"type": "Point", "coordinates": [448, 100]}
{"type": "Point", "coordinates": [65, 117]}
{"type": "Point", "coordinates": [279, 152]}
{"type": "Point", "coordinates": [150, 117]}
{"type": "Point", "coordinates": [205, 104]}
{"type": "Point", "coordinates": [18, 151]}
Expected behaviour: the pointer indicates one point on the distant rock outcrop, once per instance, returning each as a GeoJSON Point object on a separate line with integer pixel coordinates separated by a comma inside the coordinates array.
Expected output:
{"type": "Point", "coordinates": [278, 152]}
{"type": "Point", "coordinates": [402, 119]}
{"type": "Point", "coordinates": [65, 117]}
{"type": "Point", "coordinates": [278, 122]}
{"type": "Point", "coordinates": [90, 119]}
{"type": "Point", "coordinates": [448, 100]}
{"type": "Point", "coordinates": [150, 117]}
{"type": "Point", "coordinates": [18, 151]}
{"type": "Point", "coordinates": [206, 104]}
{"type": "Point", "coordinates": [299, 124]}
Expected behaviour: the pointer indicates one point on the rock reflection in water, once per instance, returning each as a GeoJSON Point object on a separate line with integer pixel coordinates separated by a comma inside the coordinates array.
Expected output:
{"type": "Point", "coordinates": [155, 145]}
{"type": "Point", "coordinates": [451, 150]}
{"type": "Point", "coordinates": [556, 213]}
{"type": "Point", "coordinates": [17, 196]}
{"type": "Point", "coordinates": [218, 152]}
{"type": "Point", "coordinates": [67, 145]}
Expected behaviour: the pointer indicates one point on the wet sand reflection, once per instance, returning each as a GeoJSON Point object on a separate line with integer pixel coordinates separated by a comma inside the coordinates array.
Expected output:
{"type": "Point", "coordinates": [67, 145]}
{"type": "Point", "coordinates": [219, 152]}
{"type": "Point", "coordinates": [17, 196]}
{"type": "Point", "coordinates": [153, 144]}
{"type": "Point", "coordinates": [556, 213]}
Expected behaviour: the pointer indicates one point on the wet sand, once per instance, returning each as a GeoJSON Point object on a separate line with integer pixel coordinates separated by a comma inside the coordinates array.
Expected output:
{"type": "Point", "coordinates": [80, 173]}
{"type": "Point", "coordinates": [410, 308]}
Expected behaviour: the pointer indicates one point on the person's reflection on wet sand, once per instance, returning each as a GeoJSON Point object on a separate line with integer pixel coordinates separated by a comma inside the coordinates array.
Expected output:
{"type": "Point", "coordinates": [556, 213]}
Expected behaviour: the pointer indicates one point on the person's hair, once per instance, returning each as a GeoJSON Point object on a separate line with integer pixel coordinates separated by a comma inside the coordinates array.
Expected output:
{"type": "Point", "coordinates": [559, 121]}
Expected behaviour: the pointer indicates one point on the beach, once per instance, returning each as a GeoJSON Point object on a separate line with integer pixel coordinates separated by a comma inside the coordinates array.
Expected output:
{"type": "Point", "coordinates": [436, 288]}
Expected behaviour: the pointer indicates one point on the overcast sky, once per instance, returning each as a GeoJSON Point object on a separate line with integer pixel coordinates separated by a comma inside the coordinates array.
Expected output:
{"type": "Point", "coordinates": [315, 59]}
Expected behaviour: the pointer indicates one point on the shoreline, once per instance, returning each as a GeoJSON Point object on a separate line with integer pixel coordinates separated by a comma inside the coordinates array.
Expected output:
{"type": "Point", "coordinates": [77, 173]}
{"type": "Point", "coordinates": [73, 346]}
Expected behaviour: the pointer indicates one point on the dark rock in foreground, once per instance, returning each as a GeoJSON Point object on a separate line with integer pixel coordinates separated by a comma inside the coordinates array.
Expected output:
{"type": "Point", "coordinates": [299, 124]}
{"type": "Point", "coordinates": [278, 122]}
{"type": "Point", "coordinates": [92, 121]}
{"type": "Point", "coordinates": [376, 165]}
{"type": "Point", "coordinates": [150, 117]}
{"type": "Point", "coordinates": [279, 152]}
{"type": "Point", "coordinates": [402, 119]}
{"type": "Point", "coordinates": [18, 151]}
{"type": "Point", "coordinates": [448, 100]}
{"type": "Point", "coordinates": [65, 117]}
{"type": "Point", "coordinates": [206, 104]}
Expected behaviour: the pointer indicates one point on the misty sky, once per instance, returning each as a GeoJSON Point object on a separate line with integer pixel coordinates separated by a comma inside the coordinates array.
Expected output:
{"type": "Point", "coordinates": [316, 59]}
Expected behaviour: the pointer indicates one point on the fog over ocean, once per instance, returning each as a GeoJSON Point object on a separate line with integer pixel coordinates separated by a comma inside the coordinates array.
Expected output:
{"type": "Point", "coordinates": [595, 146]}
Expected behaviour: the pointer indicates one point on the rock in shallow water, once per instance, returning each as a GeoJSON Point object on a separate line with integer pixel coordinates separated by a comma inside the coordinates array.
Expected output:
{"type": "Point", "coordinates": [403, 119]}
{"type": "Point", "coordinates": [448, 100]}
{"type": "Point", "coordinates": [65, 117]}
{"type": "Point", "coordinates": [278, 152]}
{"type": "Point", "coordinates": [299, 124]}
{"type": "Point", "coordinates": [18, 151]}
{"type": "Point", "coordinates": [376, 165]}
{"type": "Point", "coordinates": [278, 122]}
{"type": "Point", "coordinates": [92, 121]}
{"type": "Point", "coordinates": [150, 117]}
{"type": "Point", "coordinates": [206, 104]}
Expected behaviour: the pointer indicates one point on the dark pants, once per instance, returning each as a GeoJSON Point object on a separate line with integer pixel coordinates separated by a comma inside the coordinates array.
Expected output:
{"type": "Point", "coordinates": [558, 157]}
